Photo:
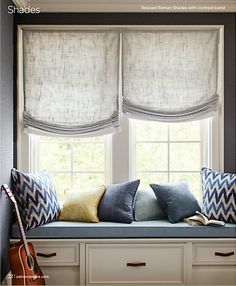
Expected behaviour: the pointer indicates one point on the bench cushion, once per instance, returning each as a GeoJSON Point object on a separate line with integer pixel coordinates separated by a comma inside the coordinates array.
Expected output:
{"type": "Point", "coordinates": [141, 229]}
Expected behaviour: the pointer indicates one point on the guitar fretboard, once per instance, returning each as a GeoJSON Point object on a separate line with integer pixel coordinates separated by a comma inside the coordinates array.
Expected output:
{"type": "Point", "coordinates": [22, 230]}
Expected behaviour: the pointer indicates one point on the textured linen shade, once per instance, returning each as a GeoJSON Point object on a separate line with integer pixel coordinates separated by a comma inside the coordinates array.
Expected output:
{"type": "Point", "coordinates": [72, 78]}
{"type": "Point", "coordinates": [170, 75]}
{"type": "Point", "coordinates": [71, 81]}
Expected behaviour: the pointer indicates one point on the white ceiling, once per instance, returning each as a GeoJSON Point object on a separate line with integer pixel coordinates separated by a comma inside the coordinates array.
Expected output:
{"type": "Point", "coordinates": [129, 5]}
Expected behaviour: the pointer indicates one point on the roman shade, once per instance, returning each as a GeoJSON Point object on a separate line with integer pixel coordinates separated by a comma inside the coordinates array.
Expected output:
{"type": "Point", "coordinates": [71, 81]}
{"type": "Point", "coordinates": [170, 75]}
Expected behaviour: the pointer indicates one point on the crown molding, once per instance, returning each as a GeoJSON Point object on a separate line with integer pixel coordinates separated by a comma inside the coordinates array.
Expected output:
{"type": "Point", "coordinates": [122, 6]}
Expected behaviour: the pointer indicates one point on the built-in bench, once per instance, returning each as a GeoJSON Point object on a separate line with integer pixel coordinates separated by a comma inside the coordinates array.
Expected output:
{"type": "Point", "coordinates": [76, 253]}
{"type": "Point", "coordinates": [144, 229]}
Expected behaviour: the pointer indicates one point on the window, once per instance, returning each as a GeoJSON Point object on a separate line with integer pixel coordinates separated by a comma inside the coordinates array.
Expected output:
{"type": "Point", "coordinates": [167, 152]}
{"type": "Point", "coordinates": [72, 162]}
{"type": "Point", "coordinates": [151, 151]}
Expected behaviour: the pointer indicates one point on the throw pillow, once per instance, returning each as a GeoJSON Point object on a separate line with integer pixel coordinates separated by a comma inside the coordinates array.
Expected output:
{"type": "Point", "coordinates": [146, 206]}
{"type": "Point", "coordinates": [81, 205]}
{"type": "Point", "coordinates": [176, 200]}
{"type": "Point", "coordinates": [117, 202]}
{"type": "Point", "coordinates": [36, 198]}
{"type": "Point", "coordinates": [219, 195]}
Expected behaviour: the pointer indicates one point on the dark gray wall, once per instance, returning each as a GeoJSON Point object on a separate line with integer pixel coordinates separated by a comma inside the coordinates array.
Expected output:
{"type": "Point", "coordinates": [226, 19]}
{"type": "Point", "coordinates": [6, 125]}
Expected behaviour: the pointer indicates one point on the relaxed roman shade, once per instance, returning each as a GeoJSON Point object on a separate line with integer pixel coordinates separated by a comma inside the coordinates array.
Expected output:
{"type": "Point", "coordinates": [71, 81]}
{"type": "Point", "coordinates": [170, 75]}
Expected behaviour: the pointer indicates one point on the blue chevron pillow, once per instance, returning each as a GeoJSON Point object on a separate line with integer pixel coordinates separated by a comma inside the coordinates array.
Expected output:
{"type": "Point", "coordinates": [219, 195]}
{"type": "Point", "coordinates": [36, 198]}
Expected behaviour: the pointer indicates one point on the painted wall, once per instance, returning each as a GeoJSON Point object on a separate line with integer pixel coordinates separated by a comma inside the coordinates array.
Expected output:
{"type": "Point", "coordinates": [226, 19]}
{"type": "Point", "coordinates": [6, 125]}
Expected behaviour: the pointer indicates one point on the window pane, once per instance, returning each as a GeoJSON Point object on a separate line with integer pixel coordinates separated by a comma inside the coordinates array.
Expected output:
{"type": "Point", "coordinates": [73, 162]}
{"type": "Point", "coordinates": [87, 180]}
{"type": "Point", "coordinates": [62, 182]}
{"type": "Point", "coordinates": [193, 181]}
{"type": "Point", "coordinates": [89, 157]}
{"type": "Point", "coordinates": [152, 156]}
{"type": "Point", "coordinates": [189, 131]}
{"type": "Point", "coordinates": [184, 156]}
{"type": "Point", "coordinates": [151, 178]}
{"type": "Point", "coordinates": [55, 156]}
{"type": "Point", "coordinates": [168, 161]}
{"type": "Point", "coordinates": [151, 131]}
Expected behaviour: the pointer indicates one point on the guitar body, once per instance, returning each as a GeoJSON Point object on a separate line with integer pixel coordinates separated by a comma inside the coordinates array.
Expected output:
{"type": "Point", "coordinates": [22, 273]}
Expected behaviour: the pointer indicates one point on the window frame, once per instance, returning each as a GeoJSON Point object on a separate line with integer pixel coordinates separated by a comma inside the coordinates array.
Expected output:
{"type": "Point", "coordinates": [118, 151]}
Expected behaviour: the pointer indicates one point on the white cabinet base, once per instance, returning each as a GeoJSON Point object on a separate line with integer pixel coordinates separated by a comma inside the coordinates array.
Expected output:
{"type": "Point", "coordinates": [139, 262]}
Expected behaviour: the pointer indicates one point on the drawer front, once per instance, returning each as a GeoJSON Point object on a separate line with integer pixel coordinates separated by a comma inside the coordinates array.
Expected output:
{"type": "Point", "coordinates": [59, 275]}
{"type": "Point", "coordinates": [214, 275]}
{"type": "Point", "coordinates": [213, 254]}
{"type": "Point", "coordinates": [135, 263]}
{"type": "Point", "coordinates": [50, 254]}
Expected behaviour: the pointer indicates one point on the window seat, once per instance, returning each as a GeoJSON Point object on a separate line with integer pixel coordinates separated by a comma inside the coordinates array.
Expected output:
{"type": "Point", "coordinates": [142, 229]}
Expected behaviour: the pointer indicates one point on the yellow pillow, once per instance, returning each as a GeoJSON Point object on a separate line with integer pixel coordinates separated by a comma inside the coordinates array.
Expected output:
{"type": "Point", "coordinates": [82, 205]}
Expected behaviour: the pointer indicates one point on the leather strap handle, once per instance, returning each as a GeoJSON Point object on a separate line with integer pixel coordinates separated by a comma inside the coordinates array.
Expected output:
{"type": "Point", "coordinates": [136, 264]}
{"type": "Point", "coordinates": [224, 254]}
{"type": "Point", "coordinates": [46, 255]}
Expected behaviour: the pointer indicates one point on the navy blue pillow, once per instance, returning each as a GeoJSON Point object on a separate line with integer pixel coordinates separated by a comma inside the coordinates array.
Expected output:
{"type": "Point", "coordinates": [176, 200]}
{"type": "Point", "coordinates": [117, 202]}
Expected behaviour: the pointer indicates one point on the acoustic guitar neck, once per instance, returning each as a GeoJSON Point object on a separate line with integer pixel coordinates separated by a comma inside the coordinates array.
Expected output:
{"type": "Point", "coordinates": [10, 195]}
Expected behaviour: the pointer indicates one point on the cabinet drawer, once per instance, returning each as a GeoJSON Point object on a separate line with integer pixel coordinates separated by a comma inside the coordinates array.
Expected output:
{"type": "Point", "coordinates": [213, 254]}
{"type": "Point", "coordinates": [50, 254]}
{"type": "Point", "coordinates": [213, 275]}
{"type": "Point", "coordinates": [135, 263]}
{"type": "Point", "coordinates": [61, 275]}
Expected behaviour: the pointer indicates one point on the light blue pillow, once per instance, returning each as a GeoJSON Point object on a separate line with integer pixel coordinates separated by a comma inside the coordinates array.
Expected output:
{"type": "Point", "coordinates": [117, 202]}
{"type": "Point", "coordinates": [219, 195]}
{"type": "Point", "coordinates": [36, 198]}
{"type": "Point", "coordinates": [176, 200]}
{"type": "Point", "coordinates": [146, 206]}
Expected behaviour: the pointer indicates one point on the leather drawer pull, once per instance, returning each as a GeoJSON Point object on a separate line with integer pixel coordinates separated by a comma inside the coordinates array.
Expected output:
{"type": "Point", "coordinates": [136, 264]}
{"type": "Point", "coordinates": [224, 254]}
{"type": "Point", "coordinates": [47, 255]}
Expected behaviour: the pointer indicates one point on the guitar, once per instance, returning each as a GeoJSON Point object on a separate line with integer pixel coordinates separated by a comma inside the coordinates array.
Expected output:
{"type": "Point", "coordinates": [22, 260]}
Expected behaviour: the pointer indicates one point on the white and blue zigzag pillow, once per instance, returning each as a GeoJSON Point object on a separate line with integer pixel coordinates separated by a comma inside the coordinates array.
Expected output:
{"type": "Point", "coordinates": [36, 198]}
{"type": "Point", "coordinates": [219, 195]}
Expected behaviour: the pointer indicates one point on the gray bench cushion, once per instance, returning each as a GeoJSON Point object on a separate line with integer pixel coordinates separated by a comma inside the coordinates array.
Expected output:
{"type": "Point", "coordinates": [141, 229]}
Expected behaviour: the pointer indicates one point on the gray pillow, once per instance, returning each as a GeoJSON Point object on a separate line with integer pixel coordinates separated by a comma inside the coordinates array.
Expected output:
{"type": "Point", "coordinates": [117, 202]}
{"type": "Point", "coordinates": [176, 200]}
{"type": "Point", "coordinates": [146, 206]}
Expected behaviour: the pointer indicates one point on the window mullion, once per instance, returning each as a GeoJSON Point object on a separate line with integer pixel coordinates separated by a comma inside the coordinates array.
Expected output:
{"type": "Point", "coordinates": [120, 153]}
{"type": "Point", "coordinates": [72, 164]}
{"type": "Point", "coordinates": [168, 150]}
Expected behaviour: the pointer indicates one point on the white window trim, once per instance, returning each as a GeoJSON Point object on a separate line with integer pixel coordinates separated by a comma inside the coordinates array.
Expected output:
{"type": "Point", "coordinates": [119, 168]}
